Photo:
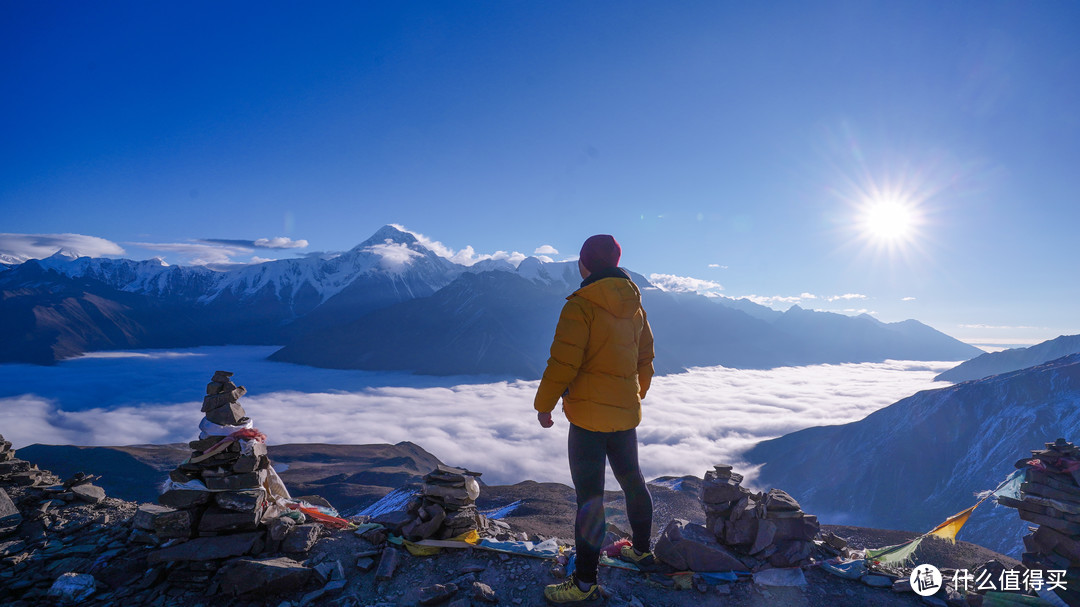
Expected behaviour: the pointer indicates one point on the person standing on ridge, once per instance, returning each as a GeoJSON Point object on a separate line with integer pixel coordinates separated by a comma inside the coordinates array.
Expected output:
{"type": "Point", "coordinates": [601, 366]}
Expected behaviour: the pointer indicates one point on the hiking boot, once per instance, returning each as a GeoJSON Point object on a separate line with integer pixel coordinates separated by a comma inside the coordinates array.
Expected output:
{"type": "Point", "coordinates": [645, 561]}
{"type": "Point", "coordinates": [569, 592]}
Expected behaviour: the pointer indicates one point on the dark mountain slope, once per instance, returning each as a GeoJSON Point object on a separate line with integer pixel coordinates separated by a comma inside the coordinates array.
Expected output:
{"type": "Point", "coordinates": [492, 322]}
{"type": "Point", "coordinates": [910, 465]}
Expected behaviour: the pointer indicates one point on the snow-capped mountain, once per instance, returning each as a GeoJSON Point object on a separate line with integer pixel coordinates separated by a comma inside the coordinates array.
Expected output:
{"type": "Point", "coordinates": [993, 363]}
{"type": "Point", "coordinates": [365, 305]}
{"type": "Point", "coordinates": [920, 460]}
{"type": "Point", "coordinates": [389, 253]}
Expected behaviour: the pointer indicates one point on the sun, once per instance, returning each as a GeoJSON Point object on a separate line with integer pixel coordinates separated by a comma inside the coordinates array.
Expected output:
{"type": "Point", "coordinates": [888, 221]}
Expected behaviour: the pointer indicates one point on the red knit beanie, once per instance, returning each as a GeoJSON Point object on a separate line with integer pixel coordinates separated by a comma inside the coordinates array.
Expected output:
{"type": "Point", "coordinates": [600, 252]}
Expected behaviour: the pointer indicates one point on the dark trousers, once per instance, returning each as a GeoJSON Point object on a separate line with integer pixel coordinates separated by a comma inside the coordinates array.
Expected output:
{"type": "Point", "coordinates": [588, 452]}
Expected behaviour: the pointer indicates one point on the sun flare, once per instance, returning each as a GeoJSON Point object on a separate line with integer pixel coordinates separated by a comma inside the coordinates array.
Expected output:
{"type": "Point", "coordinates": [888, 221]}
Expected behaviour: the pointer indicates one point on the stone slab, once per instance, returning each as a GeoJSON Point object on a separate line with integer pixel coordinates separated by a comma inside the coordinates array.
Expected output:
{"type": "Point", "coordinates": [217, 520]}
{"type": "Point", "coordinates": [205, 548]}
{"type": "Point", "coordinates": [235, 482]}
{"type": "Point", "coordinates": [91, 494]}
{"type": "Point", "coordinates": [184, 498]}
{"type": "Point", "coordinates": [228, 414]}
{"type": "Point", "coordinates": [9, 513]}
{"type": "Point", "coordinates": [242, 501]}
{"type": "Point", "coordinates": [719, 492]}
{"type": "Point", "coordinates": [175, 524]}
{"type": "Point", "coordinates": [265, 577]}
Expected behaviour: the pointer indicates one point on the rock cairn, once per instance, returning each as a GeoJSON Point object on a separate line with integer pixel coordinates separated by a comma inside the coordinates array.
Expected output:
{"type": "Point", "coordinates": [220, 488]}
{"type": "Point", "coordinates": [446, 506]}
{"type": "Point", "coordinates": [1050, 498]}
{"type": "Point", "coordinates": [6, 452]}
{"type": "Point", "coordinates": [15, 470]}
{"type": "Point", "coordinates": [767, 526]}
{"type": "Point", "coordinates": [9, 514]}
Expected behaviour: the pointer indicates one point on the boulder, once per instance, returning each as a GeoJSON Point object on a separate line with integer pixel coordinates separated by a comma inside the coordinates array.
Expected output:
{"type": "Point", "coordinates": [686, 546]}
{"type": "Point", "coordinates": [73, 588]}
{"type": "Point", "coordinates": [439, 593]}
{"type": "Point", "coordinates": [91, 494]}
{"type": "Point", "coordinates": [9, 514]}
{"type": "Point", "coordinates": [778, 499]}
{"type": "Point", "coordinates": [266, 577]}
{"type": "Point", "coordinates": [483, 592]}
{"type": "Point", "coordinates": [301, 538]}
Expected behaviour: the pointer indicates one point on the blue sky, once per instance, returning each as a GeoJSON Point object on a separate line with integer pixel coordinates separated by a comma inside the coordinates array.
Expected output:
{"type": "Point", "coordinates": [726, 142]}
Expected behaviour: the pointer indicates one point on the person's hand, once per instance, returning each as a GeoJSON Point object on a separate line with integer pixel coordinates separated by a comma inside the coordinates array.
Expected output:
{"type": "Point", "coordinates": [545, 420]}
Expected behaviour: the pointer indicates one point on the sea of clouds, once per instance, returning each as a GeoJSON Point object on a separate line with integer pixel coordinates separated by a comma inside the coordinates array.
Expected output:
{"type": "Point", "coordinates": [692, 420]}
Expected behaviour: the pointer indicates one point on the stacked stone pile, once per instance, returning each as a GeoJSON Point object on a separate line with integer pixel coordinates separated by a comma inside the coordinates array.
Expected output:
{"type": "Point", "coordinates": [17, 471]}
{"type": "Point", "coordinates": [1050, 498]}
{"type": "Point", "coordinates": [768, 526]}
{"type": "Point", "coordinates": [220, 489]}
{"type": "Point", "coordinates": [743, 529]}
{"type": "Point", "coordinates": [446, 506]}
{"type": "Point", "coordinates": [6, 452]}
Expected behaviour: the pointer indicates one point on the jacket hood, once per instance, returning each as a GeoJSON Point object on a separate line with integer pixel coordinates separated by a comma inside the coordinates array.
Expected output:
{"type": "Point", "coordinates": [618, 296]}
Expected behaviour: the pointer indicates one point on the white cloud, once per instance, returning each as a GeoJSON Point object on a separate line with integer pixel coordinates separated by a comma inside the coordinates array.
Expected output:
{"type": "Point", "coordinates": [716, 265]}
{"type": "Point", "coordinates": [546, 250]}
{"type": "Point", "coordinates": [17, 248]}
{"type": "Point", "coordinates": [393, 256]}
{"type": "Point", "coordinates": [691, 420]}
{"type": "Point", "coordinates": [199, 253]}
{"type": "Point", "coordinates": [467, 256]}
{"type": "Point", "coordinates": [280, 242]}
{"type": "Point", "coordinates": [770, 300]}
{"type": "Point", "coordinates": [787, 300]}
{"type": "Point", "coordinates": [908, 299]}
{"type": "Point", "coordinates": [257, 259]}
{"type": "Point", "coordinates": [983, 342]}
{"type": "Point", "coordinates": [1001, 327]}
{"type": "Point", "coordinates": [686, 284]}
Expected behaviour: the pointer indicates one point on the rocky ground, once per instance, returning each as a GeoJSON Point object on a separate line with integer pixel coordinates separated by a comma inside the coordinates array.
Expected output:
{"type": "Point", "coordinates": [54, 535]}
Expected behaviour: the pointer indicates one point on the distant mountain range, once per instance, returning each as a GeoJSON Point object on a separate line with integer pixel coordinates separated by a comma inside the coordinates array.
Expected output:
{"type": "Point", "coordinates": [391, 303]}
{"type": "Point", "coordinates": [920, 460]}
{"type": "Point", "coordinates": [994, 363]}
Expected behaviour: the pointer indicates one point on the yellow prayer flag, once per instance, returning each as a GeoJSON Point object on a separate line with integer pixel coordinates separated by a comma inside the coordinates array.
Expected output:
{"type": "Point", "coordinates": [952, 525]}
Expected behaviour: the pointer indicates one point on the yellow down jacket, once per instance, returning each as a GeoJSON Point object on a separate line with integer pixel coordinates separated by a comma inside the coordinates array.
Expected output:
{"type": "Point", "coordinates": [602, 353]}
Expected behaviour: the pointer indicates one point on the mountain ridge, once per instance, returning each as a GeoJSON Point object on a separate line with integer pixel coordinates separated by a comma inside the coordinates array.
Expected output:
{"type": "Point", "coordinates": [993, 363]}
{"type": "Point", "coordinates": [931, 451]}
{"type": "Point", "coordinates": [359, 305]}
